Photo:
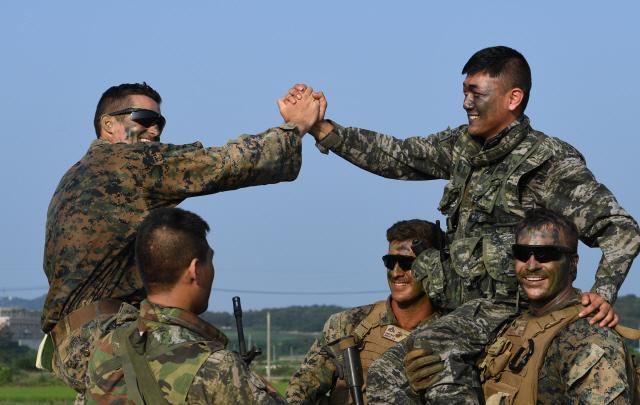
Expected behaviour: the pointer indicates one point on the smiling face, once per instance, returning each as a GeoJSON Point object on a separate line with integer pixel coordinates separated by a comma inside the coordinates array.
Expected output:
{"type": "Point", "coordinates": [404, 289]}
{"type": "Point", "coordinates": [489, 104]}
{"type": "Point", "coordinates": [121, 129]}
{"type": "Point", "coordinates": [542, 282]}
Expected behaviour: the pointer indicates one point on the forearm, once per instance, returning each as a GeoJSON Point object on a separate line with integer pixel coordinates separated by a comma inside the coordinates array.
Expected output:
{"type": "Point", "coordinates": [269, 157]}
{"type": "Point", "coordinates": [417, 158]}
{"type": "Point", "coordinates": [313, 380]}
{"type": "Point", "coordinates": [572, 190]}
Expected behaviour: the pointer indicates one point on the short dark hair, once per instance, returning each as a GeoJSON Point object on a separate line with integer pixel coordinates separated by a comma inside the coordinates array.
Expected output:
{"type": "Point", "coordinates": [116, 97]}
{"type": "Point", "coordinates": [416, 229]}
{"type": "Point", "coordinates": [540, 217]}
{"type": "Point", "coordinates": [168, 240]}
{"type": "Point", "coordinates": [502, 61]}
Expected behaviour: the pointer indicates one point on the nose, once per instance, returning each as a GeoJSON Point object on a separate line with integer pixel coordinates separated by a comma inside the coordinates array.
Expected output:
{"type": "Point", "coordinates": [467, 103]}
{"type": "Point", "coordinates": [532, 262]}
{"type": "Point", "coordinates": [153, 131]}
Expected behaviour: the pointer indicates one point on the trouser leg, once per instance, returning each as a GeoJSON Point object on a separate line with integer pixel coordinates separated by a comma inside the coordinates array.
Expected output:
{"type": "Point", "coordinates": [459, 338]}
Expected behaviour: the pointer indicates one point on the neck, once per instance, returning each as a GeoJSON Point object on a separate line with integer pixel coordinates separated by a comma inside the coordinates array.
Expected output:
{"type": "Point", "coordinates": [170, 299]}
{"type": "Point", "coordinates": [543, 308]}
{"type": "Point", "coordinates": [411, 314]}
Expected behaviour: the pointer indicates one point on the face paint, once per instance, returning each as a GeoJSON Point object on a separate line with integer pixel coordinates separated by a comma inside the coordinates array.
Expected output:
{"type": "Point", "coordinates": [542, 282]}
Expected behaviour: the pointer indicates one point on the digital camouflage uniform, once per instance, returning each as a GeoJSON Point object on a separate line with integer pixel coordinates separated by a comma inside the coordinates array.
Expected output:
{"type": "Point", "coordinates": [583, 364]}
{"type": "Point", "coordinates": [319, 375]}
{"type": "Point", "coordinates": [187, 357]}
{"type": "Point", "coordinates": [100, 202]}
{"type": "Point", "coordinates": [490, 187]}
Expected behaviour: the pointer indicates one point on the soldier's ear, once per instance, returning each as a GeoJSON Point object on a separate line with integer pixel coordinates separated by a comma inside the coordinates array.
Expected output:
{"type": "Point", "coordinates": [516, 95]}
{"type": "Point", "coordinates": [192, 271]}
{"type": "Point", "coordinates": [106, 124]}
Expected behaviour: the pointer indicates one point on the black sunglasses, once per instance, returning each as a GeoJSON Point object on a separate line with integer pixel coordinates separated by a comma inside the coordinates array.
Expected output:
{"type": "Point", "coordinates": [403, 261]}
{"type": "Point", "coordinates": [542, 253]}
{"type": "Point", "coordinates": [142, 116]}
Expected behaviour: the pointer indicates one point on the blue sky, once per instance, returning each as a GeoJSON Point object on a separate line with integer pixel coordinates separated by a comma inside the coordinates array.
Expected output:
{"type": "Point", "coordinates": [220, 66]}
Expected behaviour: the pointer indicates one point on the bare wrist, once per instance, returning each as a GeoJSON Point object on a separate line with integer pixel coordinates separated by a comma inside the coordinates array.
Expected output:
{"type": "Point", "coordinates": [321, 129]}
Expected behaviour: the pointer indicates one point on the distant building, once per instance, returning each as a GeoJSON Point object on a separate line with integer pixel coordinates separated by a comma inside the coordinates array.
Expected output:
{"type": "Point", "coordinates": [22, 325]}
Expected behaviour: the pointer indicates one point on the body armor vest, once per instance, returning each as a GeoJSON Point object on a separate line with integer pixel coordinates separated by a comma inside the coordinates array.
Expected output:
{"type": "Point", "coordinates": [510, 369]}
{"type": "Point", "coordinates": [373, 340]}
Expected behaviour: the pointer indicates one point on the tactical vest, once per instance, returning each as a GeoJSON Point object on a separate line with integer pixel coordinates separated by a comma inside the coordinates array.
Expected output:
{"type": "Point", "coordinates": [480, 249]}
{"type": "Point", "coordinates": [142, 367]}
{"type": "Point", "coordinates": [374, 339]}
{"type": "Point", "coordinates": [511, 368]}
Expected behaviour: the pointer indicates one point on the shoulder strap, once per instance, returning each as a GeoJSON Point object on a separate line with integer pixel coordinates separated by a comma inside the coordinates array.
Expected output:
{"type": "Point", "coordinates": [370, 321]}
{"type": "Point", "coordinates": [142, 387]}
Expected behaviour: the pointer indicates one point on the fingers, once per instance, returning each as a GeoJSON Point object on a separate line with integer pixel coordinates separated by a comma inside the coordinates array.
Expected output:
{"type": "Point", "coordinates": [423, 368]}
{"type": "Point", "coordinates": [425, 365]}
{"type": "Point", "coordinates": [421, 385]}
{"type": "Point", "coordinates": [592, 302]}
{"type": "Point", "coordinates": [323, 103]}
{"type": "Point", "coordinates": [415, 354]}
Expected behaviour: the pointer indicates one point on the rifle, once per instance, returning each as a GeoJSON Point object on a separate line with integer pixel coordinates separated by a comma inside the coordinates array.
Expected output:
{"type": "Point", "coordinates": [247, 356]}
{"type": "Point", "coordinates": [352, 369]}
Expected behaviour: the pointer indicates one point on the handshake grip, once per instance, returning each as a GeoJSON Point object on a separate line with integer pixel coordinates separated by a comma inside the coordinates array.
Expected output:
{"type": "Point", "coordinates": [247, 356]}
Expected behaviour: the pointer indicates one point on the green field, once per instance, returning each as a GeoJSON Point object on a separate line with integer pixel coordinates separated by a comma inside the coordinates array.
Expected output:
{"type": "Point", "coordinates": [36, 395]}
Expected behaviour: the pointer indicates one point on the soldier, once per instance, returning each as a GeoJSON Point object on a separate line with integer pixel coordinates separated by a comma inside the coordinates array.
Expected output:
{"type": "Point", "coordinates": [548, 354]}
{"type": "Point", "coordinates": [169, 354]}
{"type": "Point", "coordinates": [376, 327]}
{"type": "Point", "coordinates": [497, 166]}
{"type": "Point", "coordinates": [127, 172]}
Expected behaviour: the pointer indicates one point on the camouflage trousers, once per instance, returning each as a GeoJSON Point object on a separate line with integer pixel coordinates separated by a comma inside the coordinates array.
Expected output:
{"type": "Point", "coordinates": [459, 338]}
{"type": "Point", "coordinates": [71, 354]}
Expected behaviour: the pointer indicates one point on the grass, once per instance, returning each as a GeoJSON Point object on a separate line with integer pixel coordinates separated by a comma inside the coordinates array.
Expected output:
{"type": "Point", "coordinates": [37, 395]}
{"type": "Point", "coordinates": [280, 386]}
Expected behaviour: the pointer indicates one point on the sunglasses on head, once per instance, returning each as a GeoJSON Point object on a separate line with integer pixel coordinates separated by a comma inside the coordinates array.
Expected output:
{"type": "Point", "coordinates": [142, 116]}
{"type": "Point", "coordinates": [542, 253]}
{"type": "Point", "coordinates": [404, 262]}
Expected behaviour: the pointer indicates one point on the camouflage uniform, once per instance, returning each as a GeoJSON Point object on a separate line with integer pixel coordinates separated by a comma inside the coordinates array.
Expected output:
{"type": "Point", "coordinates": [187, 357]}
{"type": "Point", "coordinates": [583, 364]}
{"type": "Point", "coordinates": [99, 203]}
{"type": "Point", "coordinates": [490, 187]}
{"type": "Point", "coordinates": [318, 375]}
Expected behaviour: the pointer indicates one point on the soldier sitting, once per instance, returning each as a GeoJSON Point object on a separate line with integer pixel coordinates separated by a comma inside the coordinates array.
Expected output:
{"type": "Point", "coordinates": [375, 327]}
{"type": "Point", "coordinates": [169, 354]}
{"type": "Point", "coordinates": [548, 354]}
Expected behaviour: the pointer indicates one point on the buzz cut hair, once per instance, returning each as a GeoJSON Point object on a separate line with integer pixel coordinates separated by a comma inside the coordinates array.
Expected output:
{"type": "Point", "coordinates": [416, 229]}
{"type": "Point", "coordinates": [117, 98]}
{"type": "Point", "coordinates": [167, 241]}
{"type": "Point", "coordinates": [504, 62]}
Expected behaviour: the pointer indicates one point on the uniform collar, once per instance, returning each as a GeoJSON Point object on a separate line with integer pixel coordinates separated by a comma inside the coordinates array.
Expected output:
{"type": "Point", "coordinates": [153, 314]}
{"type": "Point", "coordinates": [496, 149]}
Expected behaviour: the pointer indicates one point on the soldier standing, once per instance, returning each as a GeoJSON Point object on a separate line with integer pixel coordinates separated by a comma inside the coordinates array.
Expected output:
{"type": "Point", "coordinates": [169, 355]}
{"type": "Point", "coordinates": [497, 166]}
{"type": "Point", "coordinates": [376, 327]}
{"type": "Point", "coordinates": [126, 173]}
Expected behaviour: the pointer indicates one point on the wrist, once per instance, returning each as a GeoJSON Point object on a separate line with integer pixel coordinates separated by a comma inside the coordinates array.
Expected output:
{"type": "Point", "coordinates": [321, 129]}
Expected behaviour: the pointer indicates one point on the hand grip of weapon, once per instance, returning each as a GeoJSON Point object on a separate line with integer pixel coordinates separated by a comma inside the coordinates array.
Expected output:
{"type": "Point", "coordinates": [237, 313]}
{"type": "Point", "coordinates": [352, 368]}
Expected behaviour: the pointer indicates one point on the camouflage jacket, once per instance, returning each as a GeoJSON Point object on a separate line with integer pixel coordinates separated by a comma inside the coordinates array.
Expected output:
{"type": "Point", "coordinates": [101, 200]}
{"type": "Point", "coordinates": [318, 373]}
{"type": "Point", "coordinates": [584, 364]}
{"type": "Point", "coordinates": [490, 187]}
{"type": "Point", "coordinates": [195, 373]}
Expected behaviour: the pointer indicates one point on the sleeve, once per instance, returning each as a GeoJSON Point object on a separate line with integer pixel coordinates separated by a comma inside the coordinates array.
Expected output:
{"type": "Point", "coordinates": [415, 158]}
{"type": "Point", "coordinates": [594, 366]}
{"type": "Point", "coordinates": [569, 187]}
{"type": "Point", "coordinates": [316, 375]}
{"type": "Point", "coordinates": [177, 172]}
{"type": "Point", "coordinates": [225, 379]}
